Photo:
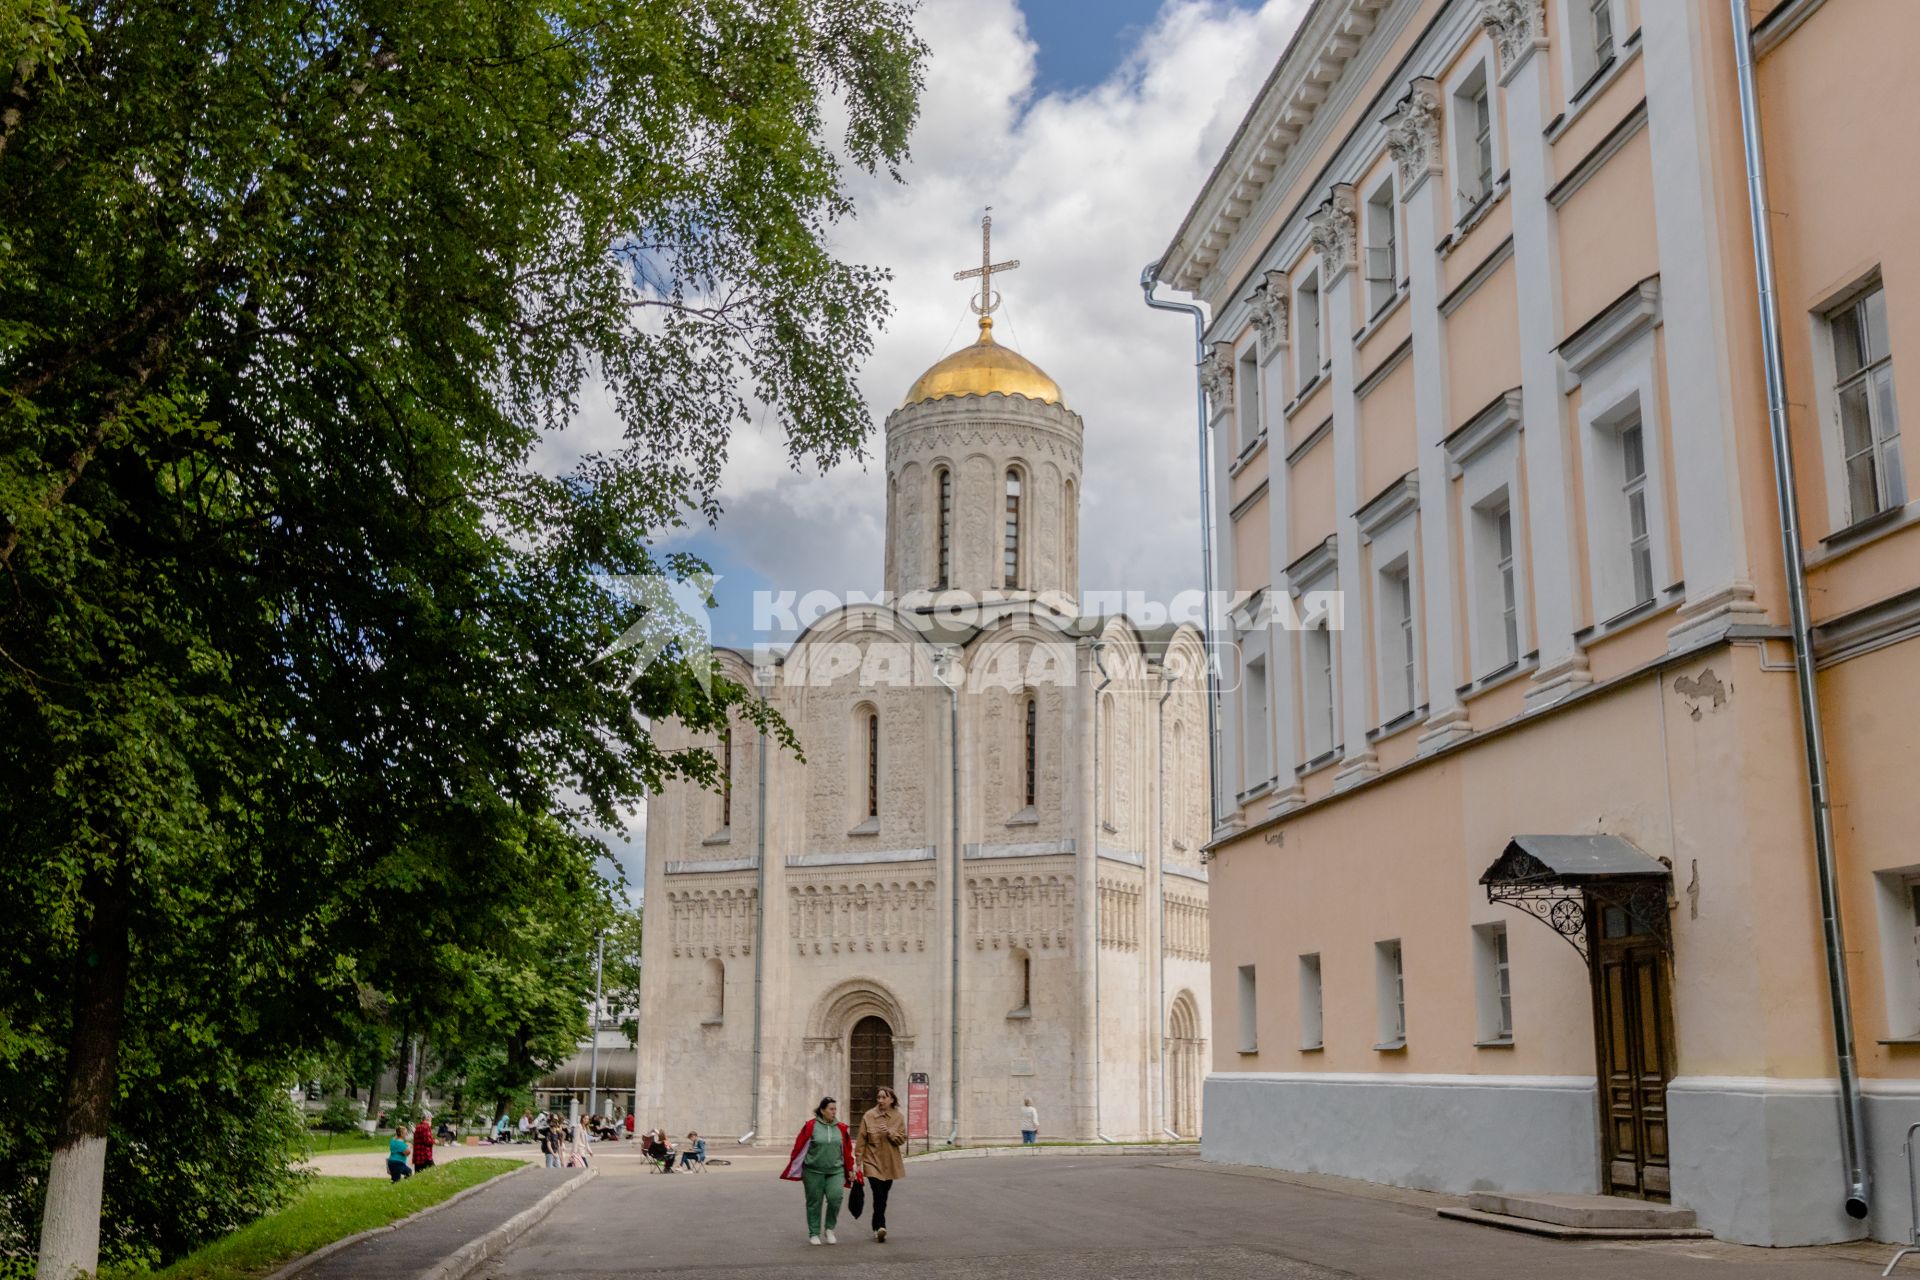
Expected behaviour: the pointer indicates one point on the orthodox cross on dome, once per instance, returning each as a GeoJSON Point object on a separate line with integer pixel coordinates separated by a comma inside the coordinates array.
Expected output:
{"type": "Point", "coordinates": [989, 299]}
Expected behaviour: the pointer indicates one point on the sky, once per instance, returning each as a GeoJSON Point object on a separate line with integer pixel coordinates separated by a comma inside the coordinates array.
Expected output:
{"type": "Point", "coordinates": [1088, 127]}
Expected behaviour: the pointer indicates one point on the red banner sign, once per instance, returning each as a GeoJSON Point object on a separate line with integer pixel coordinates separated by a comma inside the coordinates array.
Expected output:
{"type": "Point", "coordinates": [919, 1096]}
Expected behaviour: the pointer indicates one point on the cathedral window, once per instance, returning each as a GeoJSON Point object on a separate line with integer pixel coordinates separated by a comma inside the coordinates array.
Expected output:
{"type": "Point", "coordinates": [944, 483]}
{"type": "Point", "coordinates": [716, 992]}
{"type": "Point", "coordinates": [873, 764]}
{"type": "Point", "coordinates": [1032, 755]}
{"type": "Point", "coordinates": [1011, 549]}
{"type": "Point", "coordinates": [726, 777]}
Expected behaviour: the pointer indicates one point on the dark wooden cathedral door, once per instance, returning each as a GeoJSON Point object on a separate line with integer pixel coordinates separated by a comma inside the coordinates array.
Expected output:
{"type": "Point", "coordinates": [869, 1065]}
{"type": "Point", "coordinates": [1633, 1027]}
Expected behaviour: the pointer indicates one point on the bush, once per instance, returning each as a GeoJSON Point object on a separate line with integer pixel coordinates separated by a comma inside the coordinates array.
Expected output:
{"type": "Point", "coordinates": [341, 1114]}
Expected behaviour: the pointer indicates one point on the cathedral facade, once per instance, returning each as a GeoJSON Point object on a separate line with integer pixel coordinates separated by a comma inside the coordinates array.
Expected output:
{"type": "Point", "coordinates": [981, 872]}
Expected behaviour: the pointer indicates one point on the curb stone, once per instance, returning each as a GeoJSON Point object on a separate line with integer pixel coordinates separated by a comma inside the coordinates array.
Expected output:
{"type": "Point", "coordinates": [1072, 1149]}
{"type": "Point", "coordinates": [301, 1263]}
{"type": "Point", "coordinates": [470, 1255]}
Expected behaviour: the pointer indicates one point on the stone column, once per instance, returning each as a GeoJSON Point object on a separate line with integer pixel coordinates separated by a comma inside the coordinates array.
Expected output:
{"type": "Point", "coordinates": [1217, 375]}
{"type": "Point", "coordinates": [1413, 135]}
{"type": "Point", "coordinates": [1693, 261]}
{"type": "Point", "coordinates": [1519, 29]}
{"type": "Point", "coordinates": [1336, 236]}
{"type": "Point", "coordinates": [1086, 862]}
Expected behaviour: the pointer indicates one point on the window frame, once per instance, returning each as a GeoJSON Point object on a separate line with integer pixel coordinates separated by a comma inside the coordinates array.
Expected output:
{"type": "Point", "coordinates": [943, 505]}
{"type": "Point", "coordinates": [1013, 489]}
{"type": "Point", "coordinates": [1390, 994]}
{"type": "Point", "coordinates": [1313, 1009]}
{"type": "Point", "coordinates": [1478, 64]}
{"type": "Point", "coordinates": [1891, 490]}
{"type": "Point", "coordinates": [1616, 398]}
{"type": "Point", "coordinates": [1493, 984]}
{"type": "Point", "coordinates": [1248, 1007]}
{"type": "Point", "coordinates": [1385, 195]}
{"type": "Point", "coordinates": [1308, 320]}
{"type": "Point", "coordinates": [1248, 403]}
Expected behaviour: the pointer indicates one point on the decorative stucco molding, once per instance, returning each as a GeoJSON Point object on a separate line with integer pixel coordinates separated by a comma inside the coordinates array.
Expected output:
{"type": "Point", "coordinates": [1216, 375]}
{"type": "Point", "coordinates": [1269, 307]}
{"type": "Point", "coordinates": [1392, 505]}
{"type": "Point", "coordinates": [1518, 28]}
{"type": "Point", "coordinates": [1413, 134]}
{"type": "Point", "coordinates": [1333, 229]}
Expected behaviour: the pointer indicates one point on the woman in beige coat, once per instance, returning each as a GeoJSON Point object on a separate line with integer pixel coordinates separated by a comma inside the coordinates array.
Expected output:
{"type": "Point", "coordinates": [883, 1138]}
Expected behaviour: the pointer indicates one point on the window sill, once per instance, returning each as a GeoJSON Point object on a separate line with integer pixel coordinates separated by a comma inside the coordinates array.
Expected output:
{"type": "Point", "coordinates": [1305, 393]}
{"type": "Point", "coordinates": [1027, 817]}
{"type": "Point", "coordinates": [1247, 1050]}
{"type": "Point", "coordinates": [1902, 1042]}
{"type": "Point", "coordinates": [1505, 1042]}
{"type": "Point", "coordinates": [723, 836]}
{"type": "Point", "coordinates": [1254, 793]}
{"type": "Point", "coordinates": [1022, 1013]}
{"type": "Point", "coordinates": [1595, 87]}
{"type": "Point", "coordinates": [871, 827]}
{"type": "Point", "coordinates": [1862, 532]}
{"type": "Point", "coordinates": [1392, 1046]}
{"type": "Point", "coordinates": [1325, 760]}
{"type": "Point", "coordinates": [1499, 676]}
{"type": "Point", "coordinates": [713, 1022]}
{"type": "Point", "coordinates": [1314, 1048]}
{"type": "Point", "coordinates": [1399, 724]}
{"type": "Point", "coordinates": [1629, 617]}
{"type": "Point", "coordinates": [1247, 453]}
{"type": "Point", "coordinates": [1383, 314]}
{"type": "Point", "coordinates": [1473, 215]}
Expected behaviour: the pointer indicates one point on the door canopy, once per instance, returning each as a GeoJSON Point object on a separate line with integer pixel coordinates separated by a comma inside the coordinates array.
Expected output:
{"type": "Point", "coordinates": [1555, 877]}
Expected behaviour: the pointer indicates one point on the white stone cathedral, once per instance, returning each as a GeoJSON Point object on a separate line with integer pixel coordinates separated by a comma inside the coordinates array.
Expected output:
{"type": "Point", "coordinates": [1082, 799]}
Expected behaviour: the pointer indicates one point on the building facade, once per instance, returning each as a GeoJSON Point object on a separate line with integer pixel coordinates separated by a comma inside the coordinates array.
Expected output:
{"type": "Point", "coordinates": [1517, 855]}
{"type": "Point", "coordinates": [1066, 904]}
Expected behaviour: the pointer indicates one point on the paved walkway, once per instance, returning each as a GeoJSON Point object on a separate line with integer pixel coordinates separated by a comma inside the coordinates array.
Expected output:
{"type": "Point", "coordinates": [373, 1164]}
{"type": "Point", "coordinates": [395, 1255]}
{"type": "Point", "coordinates": [1077, 1218]}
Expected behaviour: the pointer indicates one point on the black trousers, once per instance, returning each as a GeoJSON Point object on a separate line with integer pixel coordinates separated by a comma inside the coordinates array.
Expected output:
{"type": "Point", "coordinates": [878, 1188]}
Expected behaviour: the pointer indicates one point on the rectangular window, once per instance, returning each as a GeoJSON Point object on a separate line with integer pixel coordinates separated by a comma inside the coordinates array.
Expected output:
{"type": "Point", "coordinates": [1397, 682]}
{"type": "Point", "coordinates": [1246, 397]}
{"type": "Point", "coordinates": [1863, 394]}
{"type": "Point", "coordinates": [1473, 140]}
{"type": "Point", "coordinates": [1249, 1012]}
{"type": "Point", "coordinates": [1010, 551]}
{"type": "Point", "coordinates": [1493, 983]}
{"type": "Point", "coordinates": [1494, 587]}
{"type": "Point", "coordinates": [946, 528]}
{"type": "Point", "coordinates": [1390, 984]}
{"type": "Point", "coordinates": [1306, 330]}
{"type": "Point", "coordinates": [1600, 28]}
{"type": "Point", "coordinates": [1316, 659]}
{"type": "Point", "coordinates": [1255, 731]}
{"type": "Point", "coordinates": [1312, 1020]}
{"type": "Point", "coordinates": [1383, 266]}
{"type": "Point", "coordinates": [1633, 490]}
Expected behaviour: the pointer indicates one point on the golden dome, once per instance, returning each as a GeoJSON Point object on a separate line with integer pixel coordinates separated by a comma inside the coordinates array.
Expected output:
{"type": "Point", "coordinates": [983, 368]}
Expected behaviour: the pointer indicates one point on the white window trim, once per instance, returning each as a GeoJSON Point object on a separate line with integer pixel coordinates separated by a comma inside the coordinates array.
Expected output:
{"type": "Point", "coordinates": [1486, 983]}
{"type": "Point", "coordinates": [1480, 56]}
{"type": "Point", "coordinates": [1615, 385]}
{"type": "Point", "coordinates": [1301, 383]}
{"type": "Point", "coordinates": [1576, 48]}
{"type": "Point", "coordinates": [1389, 528]}
{"type": "Point", "coordinates": [1313, 994]}
{"type": "Point", "coordinates": [1396, 246]}
{"type": "Point", "coordinates": [1826, 376]}
{"type": "Point", "coordinates": [1249, 402]}
{"type": "Point", "coordinates": [1313, 582]}
{"type": "Point", "coordinates": [1390, 994]}
{"type": "Point", "coordinates": [1900, 978]}
{"type": "Point", "coordinates": [1255, 647]}
{"type": "Point", "coordinates": [1485, 457]}
{"type": "Point", "coordinates": [1248, 994]}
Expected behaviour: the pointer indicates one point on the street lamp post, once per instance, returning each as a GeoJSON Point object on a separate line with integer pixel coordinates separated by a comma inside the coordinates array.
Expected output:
{"type": "Point", "coordinates": [593, 1028]}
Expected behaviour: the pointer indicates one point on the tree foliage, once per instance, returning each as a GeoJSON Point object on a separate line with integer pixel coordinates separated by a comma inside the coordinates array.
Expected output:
{"type": "Point", "coordinates": [301, 631]}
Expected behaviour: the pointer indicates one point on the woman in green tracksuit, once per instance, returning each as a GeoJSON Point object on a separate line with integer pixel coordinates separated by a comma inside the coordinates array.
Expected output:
{"type": "Point", "coordinates": [822, 1161]}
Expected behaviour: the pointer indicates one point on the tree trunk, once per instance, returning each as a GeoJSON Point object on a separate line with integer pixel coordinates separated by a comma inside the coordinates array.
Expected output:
{"type": "Point", "coordinates": [419, 1077]}
{"type": "Point", "coordinates": [70, 1227]}
{"type": "Point", "coordinates": [404, 1069]}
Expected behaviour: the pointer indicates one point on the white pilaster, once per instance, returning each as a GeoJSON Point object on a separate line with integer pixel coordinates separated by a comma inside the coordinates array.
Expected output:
{"type": "Point", "coordinates": [1336, 236]}
{"type": "Point", "coordinates": [1283, 676]}
{"type": "Point", "coordinates": [1220, 627]}
{"type": "Point", "coordinates": [1713, 549]}
{"type": "Point", "coordinates": [1519, 29]}
{"type": "Point", "coordinates": [1413, 134]}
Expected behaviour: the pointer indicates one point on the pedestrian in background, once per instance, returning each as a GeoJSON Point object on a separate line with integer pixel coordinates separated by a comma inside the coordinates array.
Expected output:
{"type": "Point", "coordinates": [883, 1134]}
{"type": "Point", "coordinates": [423, 1144]}
{"type": "Point", "coordinates": [1029, 1123]}
{"type": "Point", "coordinates": [822, 1161]}
{"type": "Point", "coordinates": [397, 1155]}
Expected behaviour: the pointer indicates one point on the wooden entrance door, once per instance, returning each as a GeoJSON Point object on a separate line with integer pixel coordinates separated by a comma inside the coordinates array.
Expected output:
{"type": "Point", "coordinates": [869, 1065]}
{"type": "Point", "coordinates": [1633, 1031]}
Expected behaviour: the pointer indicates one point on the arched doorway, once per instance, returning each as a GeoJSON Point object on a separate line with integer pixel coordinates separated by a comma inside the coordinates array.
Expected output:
{"type": "Point", "coordinates": [1186, 1054]}
{"type": "Point", "coordinates": [869, 1065]}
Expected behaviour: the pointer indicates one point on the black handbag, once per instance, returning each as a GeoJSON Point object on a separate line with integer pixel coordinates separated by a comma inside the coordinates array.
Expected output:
{"type": "Point", "coordinates": [857, 1198]}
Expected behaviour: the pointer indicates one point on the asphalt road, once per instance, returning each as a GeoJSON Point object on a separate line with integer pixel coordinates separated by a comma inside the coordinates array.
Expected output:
{"type": "Point", "coordinates": [1068, 1217]}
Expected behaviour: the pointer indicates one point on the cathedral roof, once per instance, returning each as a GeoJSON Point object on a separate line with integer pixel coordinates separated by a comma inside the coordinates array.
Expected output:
{"type": "Point", "coordinates": [983, 368]}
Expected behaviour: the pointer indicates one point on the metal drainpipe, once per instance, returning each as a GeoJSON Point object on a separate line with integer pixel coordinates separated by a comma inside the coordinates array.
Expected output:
{"type": "Point", "coordinates": [1160, 897]}
{"type": "Point", "coordinates": [1851, 1121]}
{"type": "Point", "coordinates": [763, 677]}
{"type": "Point", "coordinates": [1099, 661]}
{"type": "Point", "coordinates": [943, 662]}
{"type": "Point", "coordinates": [1148, 279]}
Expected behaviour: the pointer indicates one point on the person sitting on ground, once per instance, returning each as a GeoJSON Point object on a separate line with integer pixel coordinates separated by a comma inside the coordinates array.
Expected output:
{"type": "Point", "coordinates": [695, 1152]}
{"type": "Point", "coordinates": [397, 1155]}
{"type": "Point", "coordinates": [526, 1127]}
{"type": "Point", "coordinates": [445, 1132]}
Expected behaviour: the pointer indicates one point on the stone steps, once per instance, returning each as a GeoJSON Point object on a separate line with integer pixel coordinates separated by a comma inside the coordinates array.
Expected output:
{"type": "Point", "coordinates": [1574, 1217]}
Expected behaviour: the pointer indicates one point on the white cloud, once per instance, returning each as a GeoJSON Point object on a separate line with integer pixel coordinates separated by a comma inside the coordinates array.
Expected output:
{"type": "Point", "coordinates": [1085, 188]}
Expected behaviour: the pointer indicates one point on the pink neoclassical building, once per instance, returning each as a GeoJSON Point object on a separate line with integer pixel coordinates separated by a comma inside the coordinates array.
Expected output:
{"type": "Point", "coordinates": [1517, 878]}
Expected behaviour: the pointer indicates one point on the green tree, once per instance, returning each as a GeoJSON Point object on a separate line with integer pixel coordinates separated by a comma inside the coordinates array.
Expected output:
{"type": "Point", "coordinates": [300, 645]}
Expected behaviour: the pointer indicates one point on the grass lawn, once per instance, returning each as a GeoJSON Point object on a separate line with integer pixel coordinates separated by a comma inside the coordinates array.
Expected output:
{"type": "Point", "coordinates": [352, 1140]}
{"type": "Point", "coordinates": [327, 1209]}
